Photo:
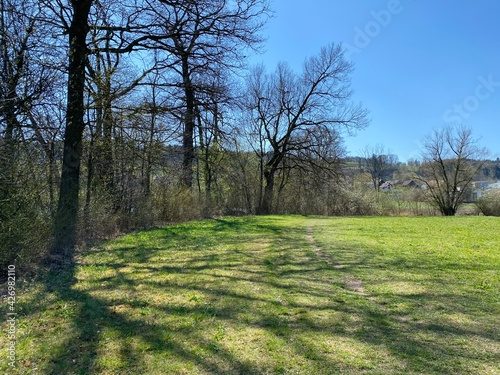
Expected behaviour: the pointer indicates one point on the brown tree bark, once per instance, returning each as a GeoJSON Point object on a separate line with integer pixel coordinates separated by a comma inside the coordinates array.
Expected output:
{"type": "Point", "coordinates": [66, 218]}
{"type": "Point", "coordinates": [189, 124]}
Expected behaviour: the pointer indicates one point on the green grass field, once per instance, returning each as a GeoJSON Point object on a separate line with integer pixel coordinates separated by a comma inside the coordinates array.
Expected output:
{"type": "Point", "coordinates": [271, 295]}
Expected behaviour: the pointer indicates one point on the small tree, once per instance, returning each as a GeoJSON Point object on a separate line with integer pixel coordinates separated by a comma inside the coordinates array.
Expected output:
{"type": "Point", "coordinates": [378, 163]}
{"type": "Point", "coordinates": [451, 158]}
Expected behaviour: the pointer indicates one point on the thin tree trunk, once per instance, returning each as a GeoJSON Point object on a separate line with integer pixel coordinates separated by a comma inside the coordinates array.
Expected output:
{"type": "Point", "coordinates": [54, 178]}
{"type": "Point", "coordinates": [7, 157]}
{"type": "Point", "coordinates": [149, 147]}
{"type": "Point", "coordinates": [187, 136]}
{"type": "Point", "coordinates": [104, 165]}
{"type": "Point", "coordinates": [90, 178]}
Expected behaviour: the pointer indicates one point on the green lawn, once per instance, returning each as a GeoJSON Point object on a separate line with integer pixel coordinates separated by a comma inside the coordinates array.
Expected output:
{"type": "Point", "coordinates": [272, 295]}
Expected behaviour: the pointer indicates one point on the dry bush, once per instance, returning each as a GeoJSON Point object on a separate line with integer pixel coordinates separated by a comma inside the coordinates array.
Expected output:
{"type": "Point", "coordinates": [175, 204]}
{"type": "Point", "coordinates": [24, 233]}
{"type": "Point", "coordinates": [489, 203]}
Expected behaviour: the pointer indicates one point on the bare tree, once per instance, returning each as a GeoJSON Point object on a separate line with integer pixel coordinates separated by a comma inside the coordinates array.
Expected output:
{"type": "Point", "coordinates": [205, 38]}
{"type": "Point", "coordinates": [111, 77]}
{"type": "Point", "coordinates": [65, 223]}
{"type": "Point", "coordinates": [451, 159]}
{"type": "Point", "coordinates": [294, 115]}
{"type": "Point", "coordinates": [210, 120]}
{"type": "Point", "coordinates": [23, 79]}
{"type": "Point", "coordinates": [378, 163]}
{"type": "Point", "coordinates": [123, 33]}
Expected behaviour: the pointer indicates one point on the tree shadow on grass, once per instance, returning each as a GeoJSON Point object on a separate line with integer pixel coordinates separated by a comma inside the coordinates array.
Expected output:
{"type": "Point", "coordinates": [80, 351]}
{"type": "Point", "coordinates": [291, 299]}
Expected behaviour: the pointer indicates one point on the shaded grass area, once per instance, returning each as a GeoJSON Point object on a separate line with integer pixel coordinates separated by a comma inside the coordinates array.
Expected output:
{"type": "Point", "coordinates": [272, 295]}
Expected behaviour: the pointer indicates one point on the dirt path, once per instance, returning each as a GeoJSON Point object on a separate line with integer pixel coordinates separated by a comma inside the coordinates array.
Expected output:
{"type": "Point", "coordinates": [350, 281]}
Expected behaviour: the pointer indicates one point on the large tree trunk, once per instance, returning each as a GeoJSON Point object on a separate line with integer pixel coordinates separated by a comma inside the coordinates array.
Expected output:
{"type": "Point", "coordinates": [65, 222]}
{"type": "Point", "coordinates": [448, 211]}
{"type": "Point", "coordinates": [267, 200]}
{"type": "Point", "coordinates": [188, 134]}
{"type": "Point", "coordinates": [269, 172]}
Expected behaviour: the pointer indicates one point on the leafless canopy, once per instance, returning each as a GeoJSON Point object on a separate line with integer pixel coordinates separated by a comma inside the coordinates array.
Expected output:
{"type": "Point", "coordinates": [378, 163]}
{"type": "Point", "coordinates": [293, 115]}
{"type": "Point", "coordinates": [451, 158]}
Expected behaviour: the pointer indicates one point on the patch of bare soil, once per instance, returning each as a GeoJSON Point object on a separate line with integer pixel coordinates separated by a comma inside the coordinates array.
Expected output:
{"type": "Point", "coordinates": [351, 282]}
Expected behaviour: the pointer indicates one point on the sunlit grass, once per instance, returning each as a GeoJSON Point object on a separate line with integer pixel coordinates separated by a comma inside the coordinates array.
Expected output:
{"type": "Point", "coordinates": [272, 295]}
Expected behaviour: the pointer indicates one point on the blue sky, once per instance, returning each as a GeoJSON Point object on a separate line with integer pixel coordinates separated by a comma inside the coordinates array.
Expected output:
{"type": "Point", "coordinates": [419, 64]}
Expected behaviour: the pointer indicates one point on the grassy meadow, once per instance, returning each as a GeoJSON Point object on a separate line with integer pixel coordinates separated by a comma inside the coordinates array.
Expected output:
{"type": "Point", "coordinates": [271, 295]}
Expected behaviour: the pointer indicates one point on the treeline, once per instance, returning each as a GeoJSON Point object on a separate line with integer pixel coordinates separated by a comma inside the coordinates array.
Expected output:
{"type": "Point", "coordinates": [487, 169]}
{"type": "Point", "coordinates": [123, 115]}
{"type": "Point", "coordinates": [119, 115]}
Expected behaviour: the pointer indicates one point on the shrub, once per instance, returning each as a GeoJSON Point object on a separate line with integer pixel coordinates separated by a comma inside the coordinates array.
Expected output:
{"type": "Point", "coordinates": [175, 204]}
{"type": "Point", "coordinates": [489, 203]}
{"type": "Point", "coordinates": [345, 200]}
{"type": "Point", "coordinates": [24, 233]}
